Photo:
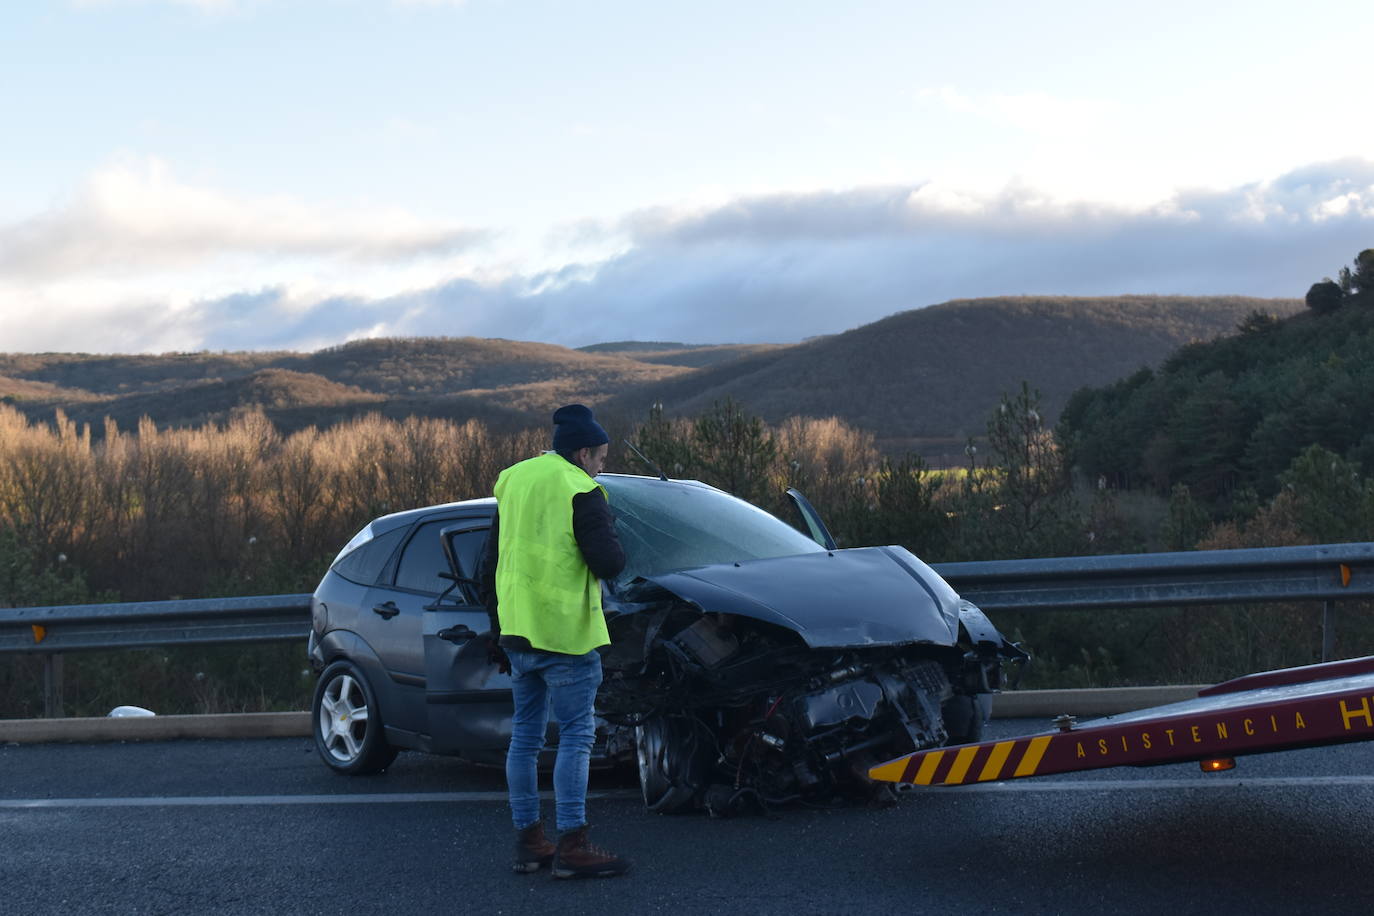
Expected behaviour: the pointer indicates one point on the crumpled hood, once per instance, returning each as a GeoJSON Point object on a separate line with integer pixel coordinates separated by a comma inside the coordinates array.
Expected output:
{"type": "Point", "coordinates": [866, 596]}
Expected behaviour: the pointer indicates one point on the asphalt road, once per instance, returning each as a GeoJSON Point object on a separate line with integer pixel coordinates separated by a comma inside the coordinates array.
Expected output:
{"type": "Point", "coordinates": [262, 827]}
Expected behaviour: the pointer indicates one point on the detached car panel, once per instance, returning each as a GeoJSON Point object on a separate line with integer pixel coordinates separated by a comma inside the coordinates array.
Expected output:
{"type": "Point", "coordinates": [748, 663]}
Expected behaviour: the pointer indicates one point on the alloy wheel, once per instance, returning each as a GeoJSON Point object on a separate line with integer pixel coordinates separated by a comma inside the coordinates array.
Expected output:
{"type": "Point", "coordinates": [343, 718]}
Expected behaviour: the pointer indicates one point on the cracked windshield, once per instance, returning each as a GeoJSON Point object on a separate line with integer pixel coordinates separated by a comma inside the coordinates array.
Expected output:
{"type": "Point", "coordinates": [666, 527]}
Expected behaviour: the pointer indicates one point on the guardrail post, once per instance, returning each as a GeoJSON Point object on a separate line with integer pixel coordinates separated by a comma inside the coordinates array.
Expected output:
{"type": "Point", "coordinates": [52, 685]}
{"type": "Point", "coordinates": [1328, 630]}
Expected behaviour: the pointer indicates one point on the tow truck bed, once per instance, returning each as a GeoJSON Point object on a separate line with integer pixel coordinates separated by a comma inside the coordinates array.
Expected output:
{"type": "Point", "coordinates": [1330, 703]}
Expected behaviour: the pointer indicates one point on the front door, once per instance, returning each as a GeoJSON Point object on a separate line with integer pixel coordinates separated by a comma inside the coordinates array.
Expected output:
{"type": "Point", "coordinates": [467, 700]}
{"type": "Point", "coordinates": [811, 519]}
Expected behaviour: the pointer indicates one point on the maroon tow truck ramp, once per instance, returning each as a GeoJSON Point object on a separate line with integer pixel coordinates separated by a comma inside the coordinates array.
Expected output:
{"type": "Point", "coordinates": [1330, 703]}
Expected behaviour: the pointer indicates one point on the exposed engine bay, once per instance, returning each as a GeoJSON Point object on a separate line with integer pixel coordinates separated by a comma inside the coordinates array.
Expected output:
{"type": "Point", "coordinates": [730, 713]}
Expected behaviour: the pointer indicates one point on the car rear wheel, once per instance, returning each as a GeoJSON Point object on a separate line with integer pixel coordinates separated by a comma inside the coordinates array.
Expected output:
{"type": "Point", "coordinates": [348, 725]}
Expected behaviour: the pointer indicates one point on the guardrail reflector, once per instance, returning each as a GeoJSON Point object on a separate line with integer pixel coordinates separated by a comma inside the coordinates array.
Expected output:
{"type": "Point", "coordinates": [39, 633]}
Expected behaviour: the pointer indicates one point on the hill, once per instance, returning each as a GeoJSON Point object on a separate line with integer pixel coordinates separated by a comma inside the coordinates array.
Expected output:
{"type": "Point", "coordinates": [30, 391]}
{"type": "Point", "coordinates": [922, 379]}
{"type": "Point", "coordinates": [389, 366]}
{"type": "Point", "coordinates": [451, 365]}
{"type": "Point", "coordinates": [928, 377]}
{"type": "Point", "coordinates": [636, 346]}
{"type": "Point", "coordinates": [693, 356]}
{"type": "Point", "coordinates": [503, 382]}
{"type": "Point", "coordinates": [291, 400]}
{"type": "Point", "coordinates": [121, 374]}
{"type": "Point", "coordinates": [279, 392]}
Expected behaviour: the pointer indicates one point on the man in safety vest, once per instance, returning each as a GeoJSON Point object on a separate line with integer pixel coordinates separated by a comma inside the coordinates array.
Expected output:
{"type": "Point", "coordinates": [553, 538]}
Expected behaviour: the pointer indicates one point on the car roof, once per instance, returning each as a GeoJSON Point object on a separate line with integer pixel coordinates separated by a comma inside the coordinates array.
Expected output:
{"type": "Point", "coordinates": [386, 523]}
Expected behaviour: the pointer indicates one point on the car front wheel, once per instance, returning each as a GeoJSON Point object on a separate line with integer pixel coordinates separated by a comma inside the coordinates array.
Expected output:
{"type": "Point", "coordinates": [671, 764]}
{"type": "Point", "coordinates": [348, 725]}
{"type": "Point", "coordinates": [964, 718]}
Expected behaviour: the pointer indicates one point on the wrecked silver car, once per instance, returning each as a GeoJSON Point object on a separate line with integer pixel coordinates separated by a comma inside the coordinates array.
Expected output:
{"type": "Point", "coordinates": [750, 664]}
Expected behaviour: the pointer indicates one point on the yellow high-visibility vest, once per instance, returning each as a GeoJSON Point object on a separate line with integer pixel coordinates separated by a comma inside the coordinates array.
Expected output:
{"type": "Point", "coordinates": [544, 590]}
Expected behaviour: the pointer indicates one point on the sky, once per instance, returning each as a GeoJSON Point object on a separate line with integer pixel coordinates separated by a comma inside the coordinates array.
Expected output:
{"type": "Point", "coordinates": [186, 175]}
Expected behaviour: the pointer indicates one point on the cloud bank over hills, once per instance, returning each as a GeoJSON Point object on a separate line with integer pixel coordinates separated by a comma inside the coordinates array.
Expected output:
{"type": "Point", "coordinates": [141, 260]}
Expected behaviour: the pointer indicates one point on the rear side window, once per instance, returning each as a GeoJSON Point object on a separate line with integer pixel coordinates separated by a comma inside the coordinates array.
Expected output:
{"type": "Point", "coordinates": [423, 559]}
{"type": "Point", "coordinates": [365, 564]}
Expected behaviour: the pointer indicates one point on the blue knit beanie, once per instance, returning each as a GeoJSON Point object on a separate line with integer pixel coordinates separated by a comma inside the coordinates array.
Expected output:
{"type": "Point", "coordinates": [574, 427]}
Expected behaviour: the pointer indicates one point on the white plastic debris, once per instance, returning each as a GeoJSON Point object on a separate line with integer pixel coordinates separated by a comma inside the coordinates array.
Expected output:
{"type": "Point", "coordinates": [125, 712]}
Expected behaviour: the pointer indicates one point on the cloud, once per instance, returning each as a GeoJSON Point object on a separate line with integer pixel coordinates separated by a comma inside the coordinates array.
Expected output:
{"type": "Point", "coordinates": [1034, 111]}
{"type": "Point", "coordinates": [139, 216]}
{"type": "Point", "coordinates": [933, 211]}
{"type": "Point", "coordinates": [782, 267]}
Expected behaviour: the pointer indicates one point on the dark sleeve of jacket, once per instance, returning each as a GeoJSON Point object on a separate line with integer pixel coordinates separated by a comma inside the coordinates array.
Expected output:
{"type": "Point", "coordinates": [594, 529]}
{"type": "Point", "coordinates": [486, 573]}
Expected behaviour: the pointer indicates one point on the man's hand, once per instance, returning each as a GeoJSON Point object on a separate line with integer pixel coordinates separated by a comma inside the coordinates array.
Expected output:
{"type": "Point", "coordinates": [496, 655]}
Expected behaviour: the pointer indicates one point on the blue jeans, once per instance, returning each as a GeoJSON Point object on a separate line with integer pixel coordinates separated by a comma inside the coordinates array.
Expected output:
{"type": "Point", "coordinates": [567, 685]}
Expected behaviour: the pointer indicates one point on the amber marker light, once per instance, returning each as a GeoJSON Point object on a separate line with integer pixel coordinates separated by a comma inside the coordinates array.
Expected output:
{"type": "Point", "coordinates": [1217, 764]}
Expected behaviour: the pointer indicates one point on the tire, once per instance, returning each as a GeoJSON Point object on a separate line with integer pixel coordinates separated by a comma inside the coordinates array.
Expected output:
{"type": "Point", "coordinates": [964, 717]}
{"type": "Point", "coordinates": [348, 722]}
{"type": "Point", "coordinates": [671, 770]}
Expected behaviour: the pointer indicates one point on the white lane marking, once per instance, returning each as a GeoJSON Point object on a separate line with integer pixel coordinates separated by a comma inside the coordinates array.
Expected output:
{"type": "Point", "coordinates": [194, 801]}
{"type": "Point", "coordinates": [1024, 785]}
{"type": "Point", "coordinates": [1117, 785]}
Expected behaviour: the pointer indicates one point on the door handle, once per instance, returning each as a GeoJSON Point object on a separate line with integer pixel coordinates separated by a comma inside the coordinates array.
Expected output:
{"type": "Point", "coordinates": [455, 634]}
{"type": "Point", "coordinates": [387, 610]}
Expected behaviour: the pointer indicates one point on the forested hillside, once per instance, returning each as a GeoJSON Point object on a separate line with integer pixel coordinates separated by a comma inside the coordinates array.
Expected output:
{"type": "Point", "coordinates": [1230, 415]}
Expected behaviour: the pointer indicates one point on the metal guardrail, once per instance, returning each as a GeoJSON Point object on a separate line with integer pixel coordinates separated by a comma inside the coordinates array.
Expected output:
{"type": "Point", "coordinates": [256, 618]}
{"type": "Point", "coordinates": [1202, 577]}
{"type": "Point", "coordinates": [51, 631]}
{"type": "Point", "coordinates": [1324, 572]}
{"type": "Point", "coordinates": [1194, 578]}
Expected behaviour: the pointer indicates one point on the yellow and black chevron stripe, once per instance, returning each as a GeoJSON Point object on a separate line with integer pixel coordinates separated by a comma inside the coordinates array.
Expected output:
{"type": "Point", "coordinates": [973, 763]}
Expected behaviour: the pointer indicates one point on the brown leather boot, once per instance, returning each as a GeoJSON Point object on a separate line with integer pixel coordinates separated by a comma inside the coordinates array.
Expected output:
{"type": "Point", "coordinates": [578, 858]}
{"type": "Point", "coordinates": [532, 849]}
